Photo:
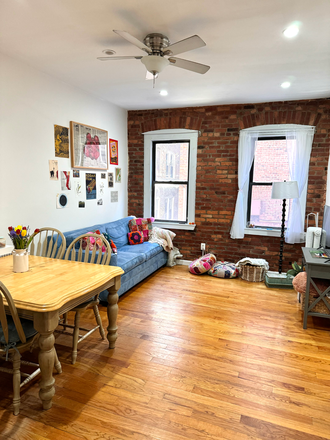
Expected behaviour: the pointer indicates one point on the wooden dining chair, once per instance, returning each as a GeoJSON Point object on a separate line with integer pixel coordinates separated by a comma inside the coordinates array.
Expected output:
{"type": "Point", "coordinates": [79, 250]}
{"type": "Point", "coordinates": [46, 243]}
{"type": "Point", "coordinates": [16, 336]}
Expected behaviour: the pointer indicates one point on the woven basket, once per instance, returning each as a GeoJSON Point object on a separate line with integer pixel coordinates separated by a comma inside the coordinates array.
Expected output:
{"type": "Point", "coordinates": [252, 273]}
{"type": "Point", "coordinates": [320, 306]}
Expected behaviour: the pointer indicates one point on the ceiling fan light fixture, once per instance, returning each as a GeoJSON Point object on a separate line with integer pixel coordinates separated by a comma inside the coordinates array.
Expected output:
{"type": "Point", "coordinates": [291, 31]}
{"type": "Point", "coordinates": [154, 63]}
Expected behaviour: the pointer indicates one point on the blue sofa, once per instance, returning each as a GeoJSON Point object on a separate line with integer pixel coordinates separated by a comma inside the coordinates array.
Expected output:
{"type": "Point", "coordinates": [137, 261]}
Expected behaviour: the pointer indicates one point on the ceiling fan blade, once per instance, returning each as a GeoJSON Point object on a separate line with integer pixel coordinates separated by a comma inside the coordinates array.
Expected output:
{"type": "Point", "coordinates": [189, 65]}
{"type": "Point", "coordinates": [133, 40]}
{"type": "Point", "coordinates": [118, 58]}
{"type": "Point", "coordinates": [190, 43]}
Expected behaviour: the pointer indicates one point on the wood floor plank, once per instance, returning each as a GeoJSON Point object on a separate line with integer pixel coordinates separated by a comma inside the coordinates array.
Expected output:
{"type": "Point", "coordinates": [196, 358]}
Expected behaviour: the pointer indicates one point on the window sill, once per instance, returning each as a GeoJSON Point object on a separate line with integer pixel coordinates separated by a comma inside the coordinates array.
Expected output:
{"type": "Point", "coordinates": [262, 231]}
{"type": "Point", "coordinates": [175, 226]}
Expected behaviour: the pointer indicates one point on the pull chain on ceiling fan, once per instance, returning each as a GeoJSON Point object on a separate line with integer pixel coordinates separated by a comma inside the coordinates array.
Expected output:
{"type": "Point", "coordinates": [157, 47]}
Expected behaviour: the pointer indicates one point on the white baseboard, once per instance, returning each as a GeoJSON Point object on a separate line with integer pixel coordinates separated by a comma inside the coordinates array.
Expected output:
{"type": "Point", "coordinates": [183, 262]}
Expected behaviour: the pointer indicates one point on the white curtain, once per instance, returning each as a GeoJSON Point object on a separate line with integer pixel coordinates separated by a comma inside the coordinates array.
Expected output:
{"type": "Point", "coordinates": [299, 147]}
{"type": "Point", "coordinates": [246, 149]}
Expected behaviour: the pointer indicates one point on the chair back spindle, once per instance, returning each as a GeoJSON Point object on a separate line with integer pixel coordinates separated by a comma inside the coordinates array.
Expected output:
{"type": "Point", "coordinates": [4, 293]}
{"type": "Point", "coordinates": [46, 243]}
{"type": "Point", "coordinates": [94, 256]}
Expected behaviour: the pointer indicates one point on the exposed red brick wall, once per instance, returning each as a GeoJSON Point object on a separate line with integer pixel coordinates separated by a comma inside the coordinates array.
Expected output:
{"type": "Point", "coordinates": [216, 185]}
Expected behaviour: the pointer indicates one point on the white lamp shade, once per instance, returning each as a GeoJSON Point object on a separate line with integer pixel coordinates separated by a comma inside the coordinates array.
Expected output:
{"type": "Point", "coordinates": [285, 190]}
{"type": "Point", "coordinates": [154, 63]}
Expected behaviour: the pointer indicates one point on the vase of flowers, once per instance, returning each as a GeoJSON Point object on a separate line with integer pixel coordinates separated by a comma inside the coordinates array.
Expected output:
{"type": "Point", "coordinates": [21, 240]}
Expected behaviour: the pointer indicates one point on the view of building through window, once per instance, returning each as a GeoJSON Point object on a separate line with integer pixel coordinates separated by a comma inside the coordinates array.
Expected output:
{"type": "Point", "coordinates": [270, 165]}
{"type": "Point", "coordinates": [170, 183]}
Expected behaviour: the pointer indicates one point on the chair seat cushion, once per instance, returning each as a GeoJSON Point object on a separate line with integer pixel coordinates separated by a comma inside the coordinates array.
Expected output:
{"type": "Point", "coordinates": [12, 332]}
{"type": "Point", "coordinates": [202, 264]}
{"type": "Point", "coordinates": [224, 269]}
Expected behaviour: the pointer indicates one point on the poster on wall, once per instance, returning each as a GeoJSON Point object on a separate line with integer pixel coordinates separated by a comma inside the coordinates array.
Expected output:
{"type": "Point", "coordinates": [53, 170]}
{"type": "Point", "coordinates": [65, 180]}
{"type": "Point", "coordinates": [61, 137]}
{"type": "Point", "coordinates": [101, 188]}
{"type": "Point", "coordinates": [114, 196]}
{"type": "Point", "coordinates": [113, 152]}
{"type": "Point", "coordinates": [78, 188]}
{"type": "Point", "coordinates": [110, 180]}
{"type": "Point", "coordinates": [118, 175]}
{"type": "Point", "coordinates": [89, 147]}
{"type": "Point", "coordinates": [90, 186]}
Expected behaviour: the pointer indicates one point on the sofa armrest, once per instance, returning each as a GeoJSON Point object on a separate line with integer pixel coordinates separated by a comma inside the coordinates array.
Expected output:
{"type": "Point", "coordinates": [113, 261]}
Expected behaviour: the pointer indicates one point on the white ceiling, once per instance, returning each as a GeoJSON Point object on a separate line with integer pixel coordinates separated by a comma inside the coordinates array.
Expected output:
{"type": "Point", "coordinates": [245, 47]}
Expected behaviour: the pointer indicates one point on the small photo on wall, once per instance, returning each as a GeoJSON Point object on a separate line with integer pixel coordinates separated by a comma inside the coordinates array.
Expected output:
{"type": "Point", "coordinates": [118, 175]}
{"type": "Point", "coordinates": [113, 150]}
{"type": "Point", "coordinates": [61, 135]}
{"type": "Point", "coordinates": [76, 173]}
{"type": "Point", "coordinates": [110, 180]}
{"type": "Point", "coordinates": [53, 169]}
{"type": "Point", "coordinates": [81, 204]}
{"type": "Point", "coordinates": [114, 196]}
{"type": "Point", "coordinates": [65, 180]}
{"type": "Point", "coordinates": [103, 175]}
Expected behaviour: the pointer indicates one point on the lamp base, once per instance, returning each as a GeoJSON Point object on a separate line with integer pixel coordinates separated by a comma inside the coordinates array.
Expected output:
{"type": "Point", "coordinates": [278, 280]}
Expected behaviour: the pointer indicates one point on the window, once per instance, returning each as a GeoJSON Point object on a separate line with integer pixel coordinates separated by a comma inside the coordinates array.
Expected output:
{"type": "Point", "coordinates": [170, 177]}
{"type": "Point", "coordinates": [170, 180]}
{"type": "Point", "coordinates": [270, 165]}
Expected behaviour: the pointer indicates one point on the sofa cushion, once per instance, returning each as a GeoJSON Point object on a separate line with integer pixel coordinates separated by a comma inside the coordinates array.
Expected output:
{"type": "Point", "coordinates": [135, 237]}
{"type": "Point", "coordinates": [224, 269]}
{"type": "Point", "coordinates": [118, 231]}
{"type": "Point", "coordinates": [147, 249]}
{"type": "Point", "coordinates": [202, 264]}
{"type": "Point", "coordinates": [127, 261]}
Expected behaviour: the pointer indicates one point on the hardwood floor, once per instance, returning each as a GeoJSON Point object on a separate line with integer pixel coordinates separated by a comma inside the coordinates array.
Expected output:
{"type": "Point", "coordinates": [196, 358]}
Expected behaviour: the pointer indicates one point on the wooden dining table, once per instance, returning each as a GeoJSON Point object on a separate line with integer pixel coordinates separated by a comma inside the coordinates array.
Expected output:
{"type": "Point", "coordinates": [50, 288]}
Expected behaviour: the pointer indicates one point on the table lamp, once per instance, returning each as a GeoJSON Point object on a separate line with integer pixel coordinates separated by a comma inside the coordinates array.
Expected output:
{"type": "Point", "coordinates": [284, 190]}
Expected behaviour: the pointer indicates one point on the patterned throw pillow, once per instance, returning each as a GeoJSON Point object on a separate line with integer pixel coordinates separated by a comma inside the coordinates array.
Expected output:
{"type": "Point", "coordinates": [92, 242]}
{"type": "Point", "coordinates": [112, 244]}
{"type": "Point", "coordinates": [224, 269]}
{"type": "Point", "coordinates": [142, 224]}
{"type": "Point", "coordinates": [135, 237]}
{"type": "Point", "coordinates": [202, 264]}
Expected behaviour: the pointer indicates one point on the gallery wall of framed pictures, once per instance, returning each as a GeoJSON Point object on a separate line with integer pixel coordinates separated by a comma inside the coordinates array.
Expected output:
{"type": "Point", "coordinates": [93, 156]}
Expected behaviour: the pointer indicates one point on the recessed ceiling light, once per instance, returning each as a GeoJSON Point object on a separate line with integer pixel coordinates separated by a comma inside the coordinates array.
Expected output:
{"type": "Point", "coordinates": [285, 84]}
{"type": "Point", "coordinates": [291, 31]}
{"type": "Point", "coordinates": [109, 51]}
{"type": "Point", "coordinates": [163, 92]}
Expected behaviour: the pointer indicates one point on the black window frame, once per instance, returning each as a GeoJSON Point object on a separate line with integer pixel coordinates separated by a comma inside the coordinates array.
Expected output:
{"type": "Point", "coordinates": [168, 182]}
{"type": "Point", "coordinates": [252, 183]}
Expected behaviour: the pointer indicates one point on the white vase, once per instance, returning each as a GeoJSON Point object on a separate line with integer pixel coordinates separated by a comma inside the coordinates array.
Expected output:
{"type": "Point", "coordinates": [20, 260]}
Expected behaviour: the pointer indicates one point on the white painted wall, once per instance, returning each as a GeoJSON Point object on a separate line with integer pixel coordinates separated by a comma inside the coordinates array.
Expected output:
{"type": "Point", "coordinates": [31, 102]}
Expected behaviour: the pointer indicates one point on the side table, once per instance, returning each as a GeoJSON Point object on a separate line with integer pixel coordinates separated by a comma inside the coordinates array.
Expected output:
{"type": "Point", "coordinates": [315, 268]}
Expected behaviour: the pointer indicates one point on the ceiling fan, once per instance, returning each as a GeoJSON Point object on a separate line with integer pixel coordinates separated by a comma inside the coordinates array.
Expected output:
{"type": "Point", "coordinates": [158, 48]}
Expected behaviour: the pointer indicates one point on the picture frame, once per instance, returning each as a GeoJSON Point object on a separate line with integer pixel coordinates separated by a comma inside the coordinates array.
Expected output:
{"type": "Point", "coordinates": [118, 175]}
{"type": "Point", "coordinates": [113, 152]}
{"type": "Point", "coordinates": [89, 147]}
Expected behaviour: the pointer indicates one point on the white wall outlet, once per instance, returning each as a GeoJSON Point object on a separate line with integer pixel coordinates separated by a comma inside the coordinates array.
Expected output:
{"type": "Point", "coordinates": [202, 246]}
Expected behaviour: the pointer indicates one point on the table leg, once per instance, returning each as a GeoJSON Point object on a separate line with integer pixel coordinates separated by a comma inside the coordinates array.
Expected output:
{"type": "Point", "coordinates": [45, 324]}
{"type": "Point", "coordinates": [308, 283]}
{"type": "Point", "coordinates": [113, 312]}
